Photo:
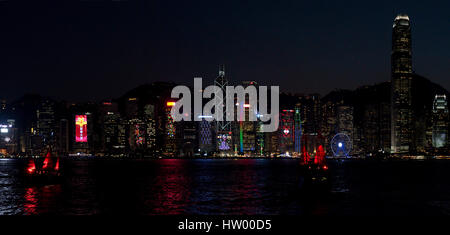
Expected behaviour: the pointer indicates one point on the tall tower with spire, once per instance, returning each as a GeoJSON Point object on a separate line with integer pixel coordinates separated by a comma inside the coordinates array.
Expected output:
{"type": "Point", "coordinates": [401, 76]}
{"type": "Point", "coordinates": [222, 128]}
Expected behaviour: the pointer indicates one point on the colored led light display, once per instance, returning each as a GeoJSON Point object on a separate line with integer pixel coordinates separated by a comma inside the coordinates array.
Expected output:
{"type": "Point", "coordinates": [223, 142]}
{"type": "Point", "coordinates": [81, 128]}
{"type": "Point", "coordinates": [138, 134]}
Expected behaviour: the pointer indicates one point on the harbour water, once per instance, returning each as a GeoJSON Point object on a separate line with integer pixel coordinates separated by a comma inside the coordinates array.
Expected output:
{"type": "Point", "coordinates": [228, 186]}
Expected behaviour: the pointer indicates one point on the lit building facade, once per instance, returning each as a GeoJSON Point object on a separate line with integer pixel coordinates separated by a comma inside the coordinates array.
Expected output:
{"type": "Point", "coordinates": [344, 120]}
{"type": "Point", "coordinates": [297, 130]}
{"type": "Point", "coordinates": [150, 129]}
{"type": "Point", "coordinates": [45, 123]}
{"type": "Point", "coordinates": [186, 138]}
{"type": "Point", "coordinates": [376, 128]}
{"type": "Point", "coordinates": [8, 138]}
{"type": "Point", "coordinates": [83, 130]}
{"type": "Point", "coordinates": [247, 135]}
{"type": "Point", "coordinates": [401, 78]}
{"type": "Point", "coordinates": [111, 121]}
{"type": "Point", "coordinates": [136, 135]}
{"type": "Point", "coordinates": [310, 111]}
{"type": "Point", "coordinates": [328, 123]}
{"type": "Point", "coordinates": [223, 128]}
{"type": "Point", "coordinates": [205, 137]}
{"type": "Point", "coordinates": [440, 117]}
{"type": "Point", "coordinates": [170, 147]}
{"type": "Point", "coordinates": [286, 132]}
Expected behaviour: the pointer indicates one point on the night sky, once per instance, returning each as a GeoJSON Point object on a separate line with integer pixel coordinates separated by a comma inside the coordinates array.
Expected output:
{"type": "Point", "coordinates": [90, 50]}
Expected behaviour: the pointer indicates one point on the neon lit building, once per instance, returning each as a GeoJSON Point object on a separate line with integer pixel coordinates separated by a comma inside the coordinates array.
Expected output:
{"type": "Point", "coordinates": [81, 128]}
{"type": "Point", "coordinates": [139, 137]}
{"type": "Point", "coordinates": [286, 132]}
{"type": "Point", "coordinates": [136, 134]}
{"type": "Point", "coordinates": [82, 133]}
{"type": "Point", "coordinates": [246, 134]}
{"type": "Point", "coordinates": [170, 131]}
{"type": "Point", "coordinates": [401, 76]}
{"type": "Point", "coordinates": [222, 128]}
{"type": "Point", "coordinates": [297, 130]}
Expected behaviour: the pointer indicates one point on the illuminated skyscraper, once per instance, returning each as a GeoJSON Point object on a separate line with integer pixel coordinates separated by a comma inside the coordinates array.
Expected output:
{"type": "Point", "coordinates": [287, 132]}
{"type": "Point", "coordinates": [205, 137]}
{"type": "Point", "coordinates": [169, 135]}
{"type": "Point", "coordinates": [401, 76]}
{"type": "Point", "coordinates": [297, 129]}
{"type": "Point", "coordinates": [247, 136]}
{"type": "Point", "coordinates": [344, 120]}
{"type": "Point", "coordinates": [440, 121]}
{"type": "Point", "coordinates": [149, 117]}
{"type": "Point", "coordinates": [310, 113]}
{"type": "Point", "coordinates": [222, 128]}
{"type": "Point", "coordinates": [45, 122]}
{"type": "Point", "coordinates": [8, 140]}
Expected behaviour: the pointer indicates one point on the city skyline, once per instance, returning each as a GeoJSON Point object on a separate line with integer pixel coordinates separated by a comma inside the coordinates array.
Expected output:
{"type": "Point", "coordinates": [242, 109]}
{"type": "Point", "coordinates": [45, 60]}
{"type": "Point", "coordinates": [406, 117]}
{"type": "Point", "coordinates": [140, 121]}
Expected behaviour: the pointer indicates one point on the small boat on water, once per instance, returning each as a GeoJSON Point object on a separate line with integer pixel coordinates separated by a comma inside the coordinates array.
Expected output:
{"type": "Point", "coordinates": [43, 170]}
{"type": "Point", "coordinates": [314, 166]}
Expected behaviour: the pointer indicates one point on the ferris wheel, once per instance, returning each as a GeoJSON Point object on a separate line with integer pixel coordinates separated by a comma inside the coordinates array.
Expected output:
{"type": "Point", "coordinates": [341, 145]}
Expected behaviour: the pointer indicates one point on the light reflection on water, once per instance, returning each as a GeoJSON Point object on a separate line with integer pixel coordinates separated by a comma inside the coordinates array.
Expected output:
{"type": "Point", "coordinates": [225, 186]}
{"type": "Point", "coordinates": [31, 201]}
{"type": "Point", "coordinates": [170, 187]}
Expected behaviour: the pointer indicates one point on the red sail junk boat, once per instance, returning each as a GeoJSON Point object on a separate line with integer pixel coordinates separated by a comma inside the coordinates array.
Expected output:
{"type": "Point", "coordinates": [313, 159]}
{"type": "Point", "coordinates": [43, 170]}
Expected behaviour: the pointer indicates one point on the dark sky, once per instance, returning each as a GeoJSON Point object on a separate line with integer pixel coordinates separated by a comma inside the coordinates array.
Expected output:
{"type": "Point", "coordinates": [89, 50]}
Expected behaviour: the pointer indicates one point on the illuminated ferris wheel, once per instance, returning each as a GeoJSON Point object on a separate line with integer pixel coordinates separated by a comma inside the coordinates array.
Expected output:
{"type": "Point", "coordinates": [341, 145]}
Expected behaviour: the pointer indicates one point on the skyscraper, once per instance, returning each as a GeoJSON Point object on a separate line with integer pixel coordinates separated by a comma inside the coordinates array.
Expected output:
{"type": "Point", "coordinates": [401, 76]}
{"type": "Point", "coordinates": [287, 132]}
{"type": "Point", "coordinates": [45, 122]}
{"type": "Point", "coordinates": [205, 137]}
{"type": "Point", "coordinates": [169, 131]}
{"type": "Point", "coordinates": [150, 137]}
{"type": "Point", "coordinates": [440, 121]}
{"type": "Point", "coordinates": [222, 128]}
{"type": "Point", "coordinates": [246, 132]}
{"type": "Point", "coordinates": [310, 112]}
{"type": "Point", "coordinates": [297, 129]}
{"type": "Point", "coordinates": [344, 120]}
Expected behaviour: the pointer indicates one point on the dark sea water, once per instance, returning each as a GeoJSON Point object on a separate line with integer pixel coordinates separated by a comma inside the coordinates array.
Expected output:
{"type": "Point", "coordinates": [227, 186]}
